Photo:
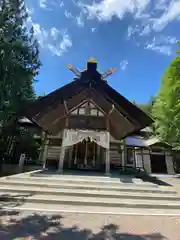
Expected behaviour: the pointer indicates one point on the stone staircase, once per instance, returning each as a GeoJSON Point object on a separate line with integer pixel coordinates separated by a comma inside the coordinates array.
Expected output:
{"type": "Point", "coordinates": [87, 194]}
{"type": "Point", "coordinates": [53, 152]}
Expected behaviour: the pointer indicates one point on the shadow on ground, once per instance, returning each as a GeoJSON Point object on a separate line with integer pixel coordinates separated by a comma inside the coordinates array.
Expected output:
{"type": "Point", "coordinates": [155, 180]}
{"type": "Point", "coordinates": [50, 227]}
{"type": "Point", "coordinates": [10, 201]}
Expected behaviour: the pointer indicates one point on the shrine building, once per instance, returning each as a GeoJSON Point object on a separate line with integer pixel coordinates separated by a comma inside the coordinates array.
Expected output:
{"type": "Point", "coordinates": [88, 125]}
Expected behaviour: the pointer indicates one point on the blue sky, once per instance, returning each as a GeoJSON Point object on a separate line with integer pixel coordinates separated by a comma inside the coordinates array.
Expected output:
{"type": "Point", "coordinates": [138, 37]}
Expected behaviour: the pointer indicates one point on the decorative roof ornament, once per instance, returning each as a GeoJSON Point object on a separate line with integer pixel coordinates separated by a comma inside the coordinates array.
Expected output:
{"type": "Point", "coordinates": [91, 71]}
{"type": "Point", "coordinates": [108, 73]}
{"type": "Point", "coordinates": [74, 70]}
{"type": "Point", "coordinates": [92, 60]}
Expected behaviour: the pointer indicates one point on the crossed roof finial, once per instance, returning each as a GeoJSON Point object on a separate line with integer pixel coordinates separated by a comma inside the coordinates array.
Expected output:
{"type": "Point", "coordinates": [91, 66]}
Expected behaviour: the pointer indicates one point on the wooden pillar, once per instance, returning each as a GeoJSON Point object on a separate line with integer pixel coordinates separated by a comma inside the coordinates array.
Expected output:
{"type": "Point", "coordinates": [142, 157]}
{"type": "Point", "coordinates": [63, 148]}
{"type": "Point", "coordinates": [107, 162]}
{"type": "Point", "coordinates": [70, 156]}
{"type": "Point", "coordinates": [107, 149]}
{"type": "Point", "coordinates": [76, 151]}
{"type": "Point", "coordinates": [134, 157]}
{"type": "Point", "coordinates": [86, 152]}
{"type": "Point", "coordinates": [45, 154]}
{"type": "Point", "coordinates": [61, 156]}
{"type": "Point", "coordinates": [94, 154]}
{"type": "Point", "coordinates": [45, 151]}
{"type": "Point", "coordinates": [123, 154]}
{"type": "Point", "coordinates": [21, 162]}
{"type": "Point", "coordinates": [61, 159]}
{"type": "Point", "coordinates": [44, 138]}
{"type": "Point", "coordinates": [98, 155]}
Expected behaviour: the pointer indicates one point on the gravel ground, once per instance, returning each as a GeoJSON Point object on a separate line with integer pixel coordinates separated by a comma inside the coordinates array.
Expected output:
{"type": "Point", "coordinates": [45, 226]}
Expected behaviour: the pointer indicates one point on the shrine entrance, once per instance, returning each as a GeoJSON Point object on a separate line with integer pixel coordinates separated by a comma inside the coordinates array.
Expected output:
{"type": "Point", "coordinates": [85, 149]}
{"type": "Point", "coordinates": [86, 155]}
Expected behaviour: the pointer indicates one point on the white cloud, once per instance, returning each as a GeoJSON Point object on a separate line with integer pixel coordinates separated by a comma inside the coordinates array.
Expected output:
{"type": "Point", "coordinates": [68, 14]}
{"type": "Point", "coordinates": [132, 30]}
{"type": "Point", "coordinates": [166, 39]}
{"type": "Point", "coordinates": [54, 33]}
{"type": "Point", "coordinates": [106, 9]}
{"type": "Point", "coordinates": [161, 4]}
{"type": "Point", "coordinates": [50, 4]}
{"type": "Point", "coordinates": [146, 30]}
{"type": "Point", "coordinates": [65, 42]}
{"type": "Point", "coordinates": [93, 29]}
{"type": "Point", "coordinates": [162, 44]}
{"type": "Point", "coordinates": [139, 30]}
{"type": "Point", "coordinates": [80, 20]}
{"type": "Point", "coordinates": [61, 46]}
{"type": "Point", "coordinates": [143, 30]}
{"type": "Point", "coordinates": [123, 65]}
{"type": "Point", "coordinates": [58, 42]}
{"type": "Point", "coordinates": [61, 4]}
{"type": "Point", "coordinates": [170, 14]}
{"type": "Point", "coordinates": [152, 15]}
{"type": "Point", "coordinates": [164, 49]}
{"type": "Point", "coordinates": [54, 50]}
{"type": "Point", "coordinates": [43, 3]}
{"type": "Point", "coordinates": [40, 34]}
{"type": "Point", "coordinates": [30, 11]}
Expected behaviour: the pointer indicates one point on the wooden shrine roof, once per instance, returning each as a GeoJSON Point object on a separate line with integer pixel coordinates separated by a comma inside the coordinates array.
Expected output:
{"type": "Point", "coordinates": [51, 107]}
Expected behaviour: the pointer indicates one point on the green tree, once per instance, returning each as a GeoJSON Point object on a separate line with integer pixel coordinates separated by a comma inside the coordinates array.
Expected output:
{"type": "Point", "coordinates": [166, 110]}
{"type": "Point", "coordinates": [146, 107]}
{"type": "Point", "coordinates": [19, 62]}
{"type": "Point", "coordinates": [19, 59]}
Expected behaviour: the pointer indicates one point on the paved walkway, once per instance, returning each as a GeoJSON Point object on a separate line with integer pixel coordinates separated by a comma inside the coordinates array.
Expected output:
{"type": "Point", "coordinates": [173, 180]}
{"type": "Point", "coordinates": [44, 226]}
{"type": "Point", "coordinates": [67, 226]}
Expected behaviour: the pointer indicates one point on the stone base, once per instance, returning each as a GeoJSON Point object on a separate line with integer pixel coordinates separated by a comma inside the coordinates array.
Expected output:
{"type": "Point", "coordinates": [108, 174]}
{"type": "Point", "coordinates": [60, 171]}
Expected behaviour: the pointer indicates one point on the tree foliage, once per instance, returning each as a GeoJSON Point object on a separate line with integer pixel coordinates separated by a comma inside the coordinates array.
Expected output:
{"type": "Point", "coordinates": [19, 59]}
{"type": "Point", "coordinates": [19, 64]}
{"type": "Point", "coordinates": [166, 110]}
{"type": "Point", "coordinates": [146, 107]}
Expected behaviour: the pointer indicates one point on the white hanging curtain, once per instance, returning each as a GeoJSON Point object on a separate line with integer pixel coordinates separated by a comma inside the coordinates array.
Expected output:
{"type": "Point", "coordinates": [72, 137]}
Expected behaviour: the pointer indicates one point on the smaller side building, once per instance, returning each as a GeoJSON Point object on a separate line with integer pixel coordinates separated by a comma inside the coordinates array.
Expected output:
{"type": "Point", "coordinates": [147, 151]}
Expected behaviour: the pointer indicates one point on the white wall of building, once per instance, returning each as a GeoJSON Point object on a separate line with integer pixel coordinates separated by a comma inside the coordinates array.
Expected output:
{"type": "Point", "coordinates": [147, 161]}
{"type": "Point", "coordinates": [169, 163]}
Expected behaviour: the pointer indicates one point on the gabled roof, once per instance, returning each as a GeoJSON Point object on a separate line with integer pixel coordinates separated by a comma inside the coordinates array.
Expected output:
{"type": "Point", "coordinates": [44, 106]}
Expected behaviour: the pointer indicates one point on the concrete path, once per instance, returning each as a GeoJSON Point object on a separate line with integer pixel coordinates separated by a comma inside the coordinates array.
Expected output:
{"type": "Point", "coordinates": [45, 226]}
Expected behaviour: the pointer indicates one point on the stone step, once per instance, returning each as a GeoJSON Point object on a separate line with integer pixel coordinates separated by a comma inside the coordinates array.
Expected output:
{"type": "Point", "coordinates": [60, 208]}
{"type": "Point", "coordinates": [83, 180]}
{"type": "Point", "coordinates": [88, 193]}
{"type": "Point", "coordinates": [80, 175]}
{"type": "Point", "coordinates": [88, 201]}
{"type": "Point", "coordinates": [88, 186]}
{"type": "Point", "coordinates": [108, 187]}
